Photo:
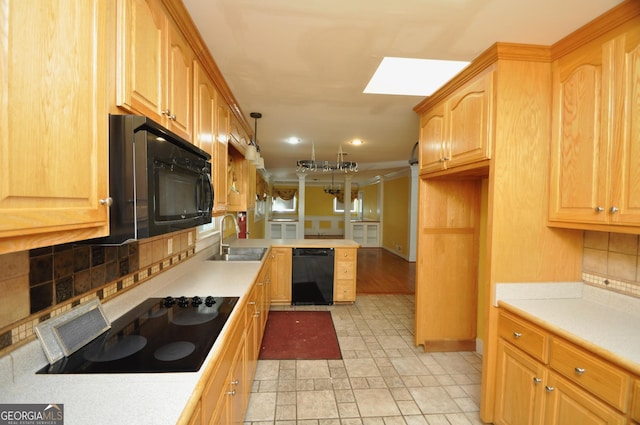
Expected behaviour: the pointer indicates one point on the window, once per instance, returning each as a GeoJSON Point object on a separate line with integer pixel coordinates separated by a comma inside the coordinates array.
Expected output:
{"type": "Point", "coordinates": [280, 205]}
{"type": "Point", "coordinates": [339, 206]}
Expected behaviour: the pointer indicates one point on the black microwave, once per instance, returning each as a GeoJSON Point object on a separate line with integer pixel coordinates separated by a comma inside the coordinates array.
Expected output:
{"type": "Point", "coordinates": [158, 182]}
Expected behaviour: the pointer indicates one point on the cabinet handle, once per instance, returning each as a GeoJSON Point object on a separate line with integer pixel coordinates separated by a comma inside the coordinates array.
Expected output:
{"type": "Point", "coordinates": [599, 209]}
{"type": "Point", "coordinates": [260, 283]}
{"type": "Point", "coordinates": [251, 303]}
{"type": "Point", "coordinates": [536, 380]}
{"type": "Point", "coordinates": [517, 335]}
{"type": "Point", "coordinates": [614, 210]}
{"type": "Point", "coordinates": [107, 201]}
{"type": "Point", "coordinates": [167, 113]}
{"type": "Point", "coordinates": [236, 382]}
{"type": "Point", "coordinates": [257, 314]}
{"type": "Point", "coordinates": [579, 370]}
{"type": "Point", "coordinates": [232, 392]}
{"type": "Point", "coordinates": [549, 388]}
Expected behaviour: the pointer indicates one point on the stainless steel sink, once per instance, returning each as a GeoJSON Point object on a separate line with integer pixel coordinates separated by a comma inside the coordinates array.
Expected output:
{"type": "Point", "coordinates": [240, 254]}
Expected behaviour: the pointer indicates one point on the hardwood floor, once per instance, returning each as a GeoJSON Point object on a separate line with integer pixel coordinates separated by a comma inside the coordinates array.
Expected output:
{"type": "Point", "coordinates": [381, 272]}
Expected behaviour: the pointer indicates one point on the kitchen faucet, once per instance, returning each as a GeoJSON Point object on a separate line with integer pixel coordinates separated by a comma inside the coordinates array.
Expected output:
{"type": "Point", "coordinates": [235, 222]}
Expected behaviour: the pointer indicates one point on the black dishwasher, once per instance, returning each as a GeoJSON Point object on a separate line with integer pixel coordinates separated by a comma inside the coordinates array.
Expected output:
{"type": "Point", "coordinates": [312, 276]}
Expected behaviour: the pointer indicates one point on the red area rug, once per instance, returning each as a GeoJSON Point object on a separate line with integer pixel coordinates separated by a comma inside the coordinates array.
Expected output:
{"type": "Point", "coordinates": [300, 335]}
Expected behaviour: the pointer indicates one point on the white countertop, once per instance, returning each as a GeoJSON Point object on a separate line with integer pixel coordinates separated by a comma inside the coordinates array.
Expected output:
{"type": "Point", "coordinates": [602, 321]}
{"type": "Point", "coordinates": [143, 398]}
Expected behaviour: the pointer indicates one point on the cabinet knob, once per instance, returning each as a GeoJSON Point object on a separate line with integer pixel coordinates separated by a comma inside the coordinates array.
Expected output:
{"type": "Point", "coordinates": [517, 335]}
{"type": "Point", "coordinates": [549, 388]}
{"type": "Point", "coordinates": [536, 380]}
{"type": "Point", "coordinates": [599, 209]}
{"type": "Point", "coordinates": [614, 210]}
{"type": "Point", "coordinates": [232, 392]}
{"type": "Point", "coordinates": [167, 113]}
{"type": "Point", "coordinates": [251, 303]}
{"type": "Point", "coordinates": [108, 201]}
{"type": "Point", "coordinates": [235, 382]}
{"type": "Point", "coordinates": [579, 370]}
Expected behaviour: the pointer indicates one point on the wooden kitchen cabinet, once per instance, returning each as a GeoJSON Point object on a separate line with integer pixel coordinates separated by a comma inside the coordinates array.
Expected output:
{"type": "Point", "coordinates": [221, 165]}
{"type": "Point", "coordinates": [568, 404]}
{"type": "Point", "coordinates": [635, 401]}
{"type": "Point", "coordinates": [458, 130]}
{"type": "Point", "coordinates": [281, 263]}
{"type": "Point", "coordinates": [520, 387]}
{"type": "Point", "coordinates": [51, 118]}
{"type": "Point", "coordinates": [154, 66]}
{"type": "Point", "coordinates": [543, 379]}
{"type": "Point", "coordinates": [242, 182]}
{"type": "Point", "coordinates": [344, 279]}
{"type": "Point", "coordinates": [595, 144]}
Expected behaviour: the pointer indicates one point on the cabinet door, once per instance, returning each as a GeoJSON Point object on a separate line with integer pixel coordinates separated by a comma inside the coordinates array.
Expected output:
{"type": "Point", "coordinates": [519, 387]}
{"type": "Point", "coordinates": [239, 387]}
{"type": "Point", "coordinates": [141, 32]}
{"type": "Point", "coordinates": [53, 122]}
{"type": "Point", "coordinates": [626, 158]}
{"type": "Point", "coordinates": [579, 152]}
{"type": "Point", "coordinates": [432, 141]}
{"type": "Point", "coordinates": [567, 404]}
{"type": "Point", "coordinates": [221, 157]}
{"type": "Point", "coordinates": [470, 122]}
{"type": "Point", "coordinates": [635, 401]}
{"type": "Point", "coordinates": [179, 84]}
{"type": "Point", "coordinates": [281, 275]}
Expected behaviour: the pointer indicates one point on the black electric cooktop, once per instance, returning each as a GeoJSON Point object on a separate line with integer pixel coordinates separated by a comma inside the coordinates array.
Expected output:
{"type": "Point", "coordinates": [159, 335]}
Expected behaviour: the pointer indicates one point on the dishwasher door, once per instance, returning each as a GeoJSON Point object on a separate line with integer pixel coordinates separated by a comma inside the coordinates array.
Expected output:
{"type": "Point", "coordinates": [312, 276]}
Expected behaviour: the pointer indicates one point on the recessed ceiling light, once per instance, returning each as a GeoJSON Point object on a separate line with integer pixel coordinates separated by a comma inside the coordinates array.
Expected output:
{"type": "Point", "coordinates": [412, 77]}
{"type": "Point", "coordinates": [356, 142]}
{"type": "Point", "coordinates": [293, 140]}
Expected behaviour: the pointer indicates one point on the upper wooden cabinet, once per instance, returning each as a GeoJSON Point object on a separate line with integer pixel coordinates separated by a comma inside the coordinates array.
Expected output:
{"type": "Point", "coordinates": [242, 182]}
{"type": "Point", "coordinates": [457, 130]}
{"type": "Point", "coordinates": [595, 144]}
{"type": "Point", "coordinates": [53, 122]}
{"type": "Point", "coordinates": [154, 66]}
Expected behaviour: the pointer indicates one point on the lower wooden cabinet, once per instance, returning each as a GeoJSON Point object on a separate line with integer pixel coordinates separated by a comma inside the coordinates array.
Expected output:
{"type": "Point", "coordinates": [635, 401]}
{"type": "Point", "coordinates": [519, 386]}
{"type": "Point", "coordinates": [344, 275]}
{"type": "Point", "coordinates": [568, 404]}
{"type": "Point", "coordinates": [228, 382]}
{"type": "Point", "coordinates": [543, 379]}
{"type": "Point", "coordinates": [281, 275]}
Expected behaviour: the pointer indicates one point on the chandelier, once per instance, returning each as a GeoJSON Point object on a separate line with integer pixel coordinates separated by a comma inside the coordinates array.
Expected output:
{"type": "Point", "coordinates": [333, 189]}
{"type": "Point", "coordinates": [311, 165]}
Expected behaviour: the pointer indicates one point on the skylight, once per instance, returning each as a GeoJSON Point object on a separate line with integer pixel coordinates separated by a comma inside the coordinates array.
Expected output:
{"type": "Point", "coordinates": [412, 77]}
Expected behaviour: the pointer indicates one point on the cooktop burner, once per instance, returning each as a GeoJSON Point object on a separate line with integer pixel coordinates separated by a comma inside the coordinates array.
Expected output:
{"type": "Point", "coordinates": [159, 335]}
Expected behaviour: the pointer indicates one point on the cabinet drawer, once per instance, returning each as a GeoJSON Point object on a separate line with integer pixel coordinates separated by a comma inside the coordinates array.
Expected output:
{"type": "Point", "coordinates": [345, 290]}
{"type": "Point", "coordinates": [596, 376]}
{"type": "Point", "coordinates": [635, 401]}
{"type": "Point", "coordinates": [345, 254]}
{"type": "Point", "coordinates": [524, 335]}
{"type": "Point", "coordinates": [344, 270]}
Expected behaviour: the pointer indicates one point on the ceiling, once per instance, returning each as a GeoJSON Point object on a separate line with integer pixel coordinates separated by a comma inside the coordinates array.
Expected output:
{"type": "Point", "coordinates": [303, 64]}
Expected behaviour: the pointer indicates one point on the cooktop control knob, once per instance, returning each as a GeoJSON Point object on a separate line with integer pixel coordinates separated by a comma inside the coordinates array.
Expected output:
{"type": "Point", "coordinates": [183, 302]}
{"type": "Point", "coordinates": [209, 301]}
{"type": "Point", "coordinates": [168, 301]}
{"type": "Point", "coordinates": [196, 301]}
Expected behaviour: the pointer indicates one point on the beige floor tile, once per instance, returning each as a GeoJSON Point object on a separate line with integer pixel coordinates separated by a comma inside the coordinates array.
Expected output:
{"type": "Point", "coordinates": [357, 368]}
{"type": "Point", "coordinates": [262, 407]}
{"type": "Point", "coordinates": [376, 402]}
{"type": "Point", "coordinates": [316, 404]}
{"type": "Point", "coordinates": [434, 400]}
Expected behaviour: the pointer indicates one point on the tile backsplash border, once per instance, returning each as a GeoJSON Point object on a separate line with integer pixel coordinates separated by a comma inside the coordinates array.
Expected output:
{"type": "Point", "coordinates": [619, 286]}
{"type": "Point", "coordinates": [23, 331]}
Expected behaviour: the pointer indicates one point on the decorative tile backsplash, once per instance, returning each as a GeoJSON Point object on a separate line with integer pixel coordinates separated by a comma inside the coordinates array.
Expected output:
{"type": "Point", "coordinates": [44, 282]}
{"type": "Point", "coordinates": [612, 261]}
